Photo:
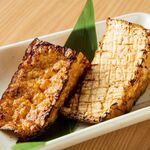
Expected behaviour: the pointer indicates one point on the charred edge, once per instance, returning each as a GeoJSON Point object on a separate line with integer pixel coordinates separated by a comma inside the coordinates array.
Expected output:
{"type": "Point", "coordinates": [101, 119]}
{"type": "Point", "coordinates": [36, 135]}
{"type": "Point", "coordinates": [57, 98]}
{"type": "Point", "coordinates": [83, 118]}
{"type": "Point", "coordinates": [37, 43]}
{"type": "Point", "coordinates": [71, 92]}
{"type": "Point", "coordinates": [28, 51]}
{"type": "Point", "coordinates": [114, 104]}
{"type": "Point", "coordinates": [77, 89]}
{"type": "Point", "coordinates": [134, 102]}
{"type": "Point", "coordinates": [1, 116]}
{"type": "Point", "coordinates": [132, 82]}
{"type": "Point", "coordinates": [124, 103]}
{"type": "Point", "coordinates": [26, 55]}
{"type": "Point", "coordinates": [140, 66]}
{"type": "Point", "coordinates": [40, 130]}
{"type": "Point", "coordinates": [130, 24]}
{"type": "Point", "coordinates": [60, 49]}
{"type": "Point", "coordinates": [121, 110]}
{"type": "Point", "coordinates": [144, 51]}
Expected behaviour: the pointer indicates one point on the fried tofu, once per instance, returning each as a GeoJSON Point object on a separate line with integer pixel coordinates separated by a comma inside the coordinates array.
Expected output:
{"type": "Point", "coordinates": [118, 75]}
{"type": "Point", "coordinates": [45, 78]}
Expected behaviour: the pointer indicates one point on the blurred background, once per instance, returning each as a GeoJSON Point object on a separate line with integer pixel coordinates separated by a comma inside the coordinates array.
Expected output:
{"type": "Point", "coordinates": [23, 19]}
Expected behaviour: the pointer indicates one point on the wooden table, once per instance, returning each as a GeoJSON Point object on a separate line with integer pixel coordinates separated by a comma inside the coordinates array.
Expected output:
{"type": "Point", "coordinates": [23, 19]}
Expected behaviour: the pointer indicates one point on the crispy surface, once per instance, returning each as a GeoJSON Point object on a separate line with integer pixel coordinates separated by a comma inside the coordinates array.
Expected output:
{"type": "Point", "coordinates": [44, 79]}
{"type": "Point", "coordinates": [118, 76]}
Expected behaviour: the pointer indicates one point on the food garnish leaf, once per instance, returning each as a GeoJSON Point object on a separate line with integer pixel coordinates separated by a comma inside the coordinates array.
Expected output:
{"type": "Point", "coordinates": [28, 146]}
{"type": "Point", "coordinates": [83, 37]}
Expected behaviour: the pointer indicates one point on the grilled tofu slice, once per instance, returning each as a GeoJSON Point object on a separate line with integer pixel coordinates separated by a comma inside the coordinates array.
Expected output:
{"type": "Point", "coordinates": [118, 75]}
{"type": "Point", "coordinates": [44, 79]}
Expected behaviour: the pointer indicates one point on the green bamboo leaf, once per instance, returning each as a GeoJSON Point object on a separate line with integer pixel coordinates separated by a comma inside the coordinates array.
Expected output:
{"type": "Point", "coordinates": [82, 38]}
{"type": "Point", "coordinates": [28, 146]}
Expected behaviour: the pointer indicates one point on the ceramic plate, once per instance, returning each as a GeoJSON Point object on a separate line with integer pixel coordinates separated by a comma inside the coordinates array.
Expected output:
{"type": "Point", "coordinates": [10, 57]}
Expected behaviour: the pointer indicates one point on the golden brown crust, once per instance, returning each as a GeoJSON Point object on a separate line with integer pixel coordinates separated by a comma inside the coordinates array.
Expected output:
{"type": "Point", "coordinates": [44, 79]}
{"type": "Point", "coordinates": [119, 74]}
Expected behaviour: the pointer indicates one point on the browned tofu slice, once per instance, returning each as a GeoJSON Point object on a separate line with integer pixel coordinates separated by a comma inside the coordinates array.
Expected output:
{"type": "Point", "coordinates": [118, 76]}
{"type": "Point", "coordinates": [44, 79]}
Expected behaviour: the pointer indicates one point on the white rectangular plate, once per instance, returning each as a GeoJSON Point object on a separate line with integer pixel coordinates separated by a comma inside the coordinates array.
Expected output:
{"type": "Point", "coordinates": [11, 55]}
